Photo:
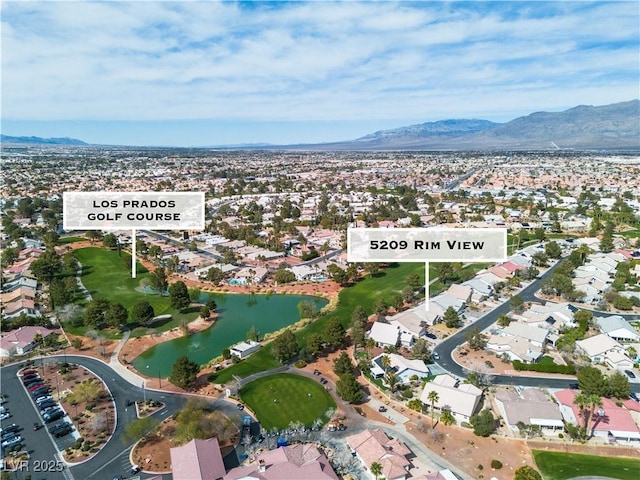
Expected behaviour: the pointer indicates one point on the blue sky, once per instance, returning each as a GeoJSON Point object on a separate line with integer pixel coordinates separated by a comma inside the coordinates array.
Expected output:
{"type": "Point", "coordinates": [216, 73]}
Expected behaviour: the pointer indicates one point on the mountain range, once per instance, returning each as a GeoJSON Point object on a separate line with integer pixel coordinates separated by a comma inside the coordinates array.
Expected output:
{"type": "Point", "coordinates": [585, 127]}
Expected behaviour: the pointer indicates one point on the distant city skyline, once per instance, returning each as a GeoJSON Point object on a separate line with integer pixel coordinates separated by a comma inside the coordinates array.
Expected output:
{"type": "Point", "coordinates": [225, 73]}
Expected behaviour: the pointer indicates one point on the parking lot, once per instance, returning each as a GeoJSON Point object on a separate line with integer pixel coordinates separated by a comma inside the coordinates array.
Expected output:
{"type": "Point", "coordinates": [44, 460]}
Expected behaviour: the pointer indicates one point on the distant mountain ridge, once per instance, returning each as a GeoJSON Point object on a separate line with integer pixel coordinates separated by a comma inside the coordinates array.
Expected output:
{"type": "Point", "coordinates": [585, 127]}
{"type": "Point", "coordinates": [41, 140]}
{"type": "Point", "coordinates": [607, 127]}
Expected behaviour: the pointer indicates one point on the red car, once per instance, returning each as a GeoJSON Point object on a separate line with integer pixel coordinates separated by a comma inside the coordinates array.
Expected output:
{"type": "Point", "coordinates": [35, 387]}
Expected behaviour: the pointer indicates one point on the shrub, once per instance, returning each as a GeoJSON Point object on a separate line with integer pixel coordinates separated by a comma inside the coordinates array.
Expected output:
{"type": "Point", "coordinates": [496, 464]}
{"type": "Point", "coordinates": [480, 467]}
{"type": "Point", "coordinates": [544, 367]}
{"type": "Point", "coordinates": [300, 364]}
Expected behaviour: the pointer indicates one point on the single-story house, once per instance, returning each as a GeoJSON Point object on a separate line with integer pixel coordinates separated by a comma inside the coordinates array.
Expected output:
{"type": "Point", "coordinates": [20, 341]}
{"type": "Point", "coordinates": [403, 367]}
{"type": "Point", "coordinates": [244, 349]}
{"type": "Point", "coordinates": [300, 461]}
{"type": "Point", "coordinates": [197, 460]}
{"type": "Point", "coordinates": [385, 334]}
{"type": "Point", "coordinates": [611, 422]}
{"type": "Point", "coordinates": [618, 328]}
{"type": "Point", "coordinates": [530, 406]}
{"type": "Point", "coordinates": [595, 347]}
{"type": "Point", "coordinates": [371, 446]}
{"type": "Point", "coordinates": [412, 321]}
{"type": "Point", "coordinates": [462, 398]}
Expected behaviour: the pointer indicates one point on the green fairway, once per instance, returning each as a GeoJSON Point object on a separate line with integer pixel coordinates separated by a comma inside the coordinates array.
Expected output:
{"type": "Point", "coordinates": [63, 240]}
{"type": "Point", "coordinates": [563, 466]}
{"type": "Point", "coordinates": [384, 285]}
{"type": "Point", "coordinates": [107, 274]}
{"type": "Point", "coordinates": [278, 400]}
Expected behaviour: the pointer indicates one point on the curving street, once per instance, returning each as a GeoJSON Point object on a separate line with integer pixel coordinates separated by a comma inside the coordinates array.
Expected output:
{"type": "Point", "coordinates": [446, 347]}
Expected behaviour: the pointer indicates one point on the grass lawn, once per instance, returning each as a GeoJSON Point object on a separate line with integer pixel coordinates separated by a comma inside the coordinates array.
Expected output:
{"type": "Point", "coordinates": [293, 401]}
{"type": "Point", "coordinates": [108, 275]}
{"type": "Point", "coordinates": [383, 285]}
{"type": "Point", "coordinates": [561, 466]}
{"type": "Point", "coordinates": [63, 240]}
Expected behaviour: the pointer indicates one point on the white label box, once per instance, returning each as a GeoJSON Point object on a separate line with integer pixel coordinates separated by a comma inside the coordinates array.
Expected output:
{"type": "Point", "coordinates": [426, 244]}
{"type": "Point", "coordinates": [133, 210]}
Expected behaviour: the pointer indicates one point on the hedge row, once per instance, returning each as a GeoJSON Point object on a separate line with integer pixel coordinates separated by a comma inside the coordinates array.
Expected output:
{"type": "Point", "coordinates": [544, 367]}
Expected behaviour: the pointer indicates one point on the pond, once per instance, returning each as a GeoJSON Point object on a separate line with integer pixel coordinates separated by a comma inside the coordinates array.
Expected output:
{"type": "Point", "coordinates": [236, 315]}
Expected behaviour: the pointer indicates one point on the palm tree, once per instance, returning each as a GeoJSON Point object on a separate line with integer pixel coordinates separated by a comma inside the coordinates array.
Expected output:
{"type": "Point", "coordinates": [593, 401]}
{"type": "Point", "coordinates": [375, 469]}
{"type": "Point", "coordinates": [447, 417]}
{"type": "Point", "coordinates": [581, 401]}
{"type": "Point", "coordinates": [392, 380]}
{"type": "Point", "coordinates": [433, 397]}
{"type": "Point", "coordinates": [385, 361]}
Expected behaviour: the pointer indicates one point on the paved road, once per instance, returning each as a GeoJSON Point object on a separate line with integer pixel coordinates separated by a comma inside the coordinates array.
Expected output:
{"type": "Point", "coordinates": [113, 459]}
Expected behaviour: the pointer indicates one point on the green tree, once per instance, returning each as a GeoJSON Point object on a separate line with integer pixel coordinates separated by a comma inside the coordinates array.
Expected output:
{"type": "Point", "coordinates": [285, 346]}
{"type": "Point", "coordinates": [47, 266]}
{"type": "Point", "coordinates": [95, 312]}
{"type": "Point", "coordinates": [179, 295]}
{"type": "Point", "coordinates": [451, 318]}
{"type": "Point", "coordinates": [348, 388]}
{"type": "Point", "coordinates": [334, 332]}
{"type": "Point", "coordinates": [444, 271]}
{"type": "Point", "coordinates": [618, 385]}
{"type": "Point", "coordinates": [284, 276]}
{"type": "Point", "coordinates": [527, 473]}
{"type": "Point", "coordinates": [446, 417]}
{"type": "Point", "coordinates": [504, 320]}
{"type": "Point", "coordinates": [142, 312]}
{"type": "Point", "coordinates": [540, 259]}
{"type": "Point", "coordinates": [483, 423]}
{"type": "Point", "coordinates": [211, 304]}
{"type": "Point", "coordinates": [215, 275]}
{"type": "Point", "coordinates": [158, 280]}
{"type": "Point", "coordinates": [476, 340]}
{"type": "Point", "coordinates": [591, 381]}
{"type": "Point", "coordinates": [77, 343]}
{"type": "Point", "coordinates": [420, 350]}
{"type": "Point", "coordinates": [307, 309]}
{"type": "Point", "coordinates": [516, 303]}
{"type": "Point", "coordinates": [606, 242]}
{"type": "Point", "coordinates": [110, 240]}
{"type": "Point", "coordinates": [184, 372]}
{"type": "Point", "coordinates": [136, 429]}
{"type": "Point", "coordinates": [342, 364]}
{"type": "Point", "coordinates": [116, 315]}
{"type": "Point", "coordinates": [553, 250]}
{"type": "Point", "coordinates": [315, 343]}
{"type": "Point", "coordinates": [205, 312]}
{"type": "Point", "coordinates": [392, 380]}
{"type": "Point", "coordinates": [413, 281]}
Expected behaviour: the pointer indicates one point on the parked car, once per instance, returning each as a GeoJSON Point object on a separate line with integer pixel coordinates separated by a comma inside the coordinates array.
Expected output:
{"type": "Point", "coordinates": [634, 397]}
{"type": "Point", "coordinates": [53, 416]}
{"type": "Point", "coordinates": [35, 386]}
{"type": "Point", "coordinates": [239, 406]}
{"type": "Point", "coordinates": [10, 428]}
{"type": "Point", "coordinates": [40, 392]}
{"type": "Point", "coordinates": [29, 371]}
{"type": "Point", "coordinates": [12, 441]}
{"type": "Point", "coordinates": [61, 432]}
{"type": "Point", "coordinates": [5, 415]}
{"type": "Point", "coordinates": [435, 356]}
{"type": "Point", "coordinates": [47, 404]}
{"type": "Point", "coordinates": [630, 374]}
{"type": "Point", "coordinates": [30, 378]}
{"type": "Point", "coordinates": [316, 372]}
{"type": "Point", "coordinates": [382, 408]}
{"type": "Point", "coordinates": [50, 409]}
{"type": "Point", "coordinates": [43, 398]}
{"type": "Point", "coordinates": [56, 426]}
{"type": "Point", "coordinates": [323, 380]}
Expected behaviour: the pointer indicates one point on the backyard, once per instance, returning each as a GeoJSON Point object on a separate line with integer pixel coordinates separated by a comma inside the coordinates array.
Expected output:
{"type": "Point", "coordinates": [278, 400]}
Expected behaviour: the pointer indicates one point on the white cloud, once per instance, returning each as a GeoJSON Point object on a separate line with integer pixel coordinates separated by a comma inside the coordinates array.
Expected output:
{"type": "Point", "coordinates": [305, 61]}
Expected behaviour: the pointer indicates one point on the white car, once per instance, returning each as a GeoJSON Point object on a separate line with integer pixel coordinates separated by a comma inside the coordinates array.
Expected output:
{"type": "Point", "coordinates": [4, 416]}
{"type": "Point", "coordinates": [12, 441]}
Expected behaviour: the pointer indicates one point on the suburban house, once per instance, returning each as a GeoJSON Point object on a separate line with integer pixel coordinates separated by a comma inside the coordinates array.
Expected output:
{"type": "Point", "coordinates": [551, 316]}
{"type": "Point", "coordinates": [371, 446]}
{"type": "Point", "coordinates": [617, 328]}
{"type": "Point", "coordinates": [446, 300]}
{"type": "Point", "coordinates": [197, 460]}
{"type": "Point", "coordinates": [404, 368]}
{"type": "Point", "coordinates": [516, 347]}
{"type": "Point", "coordinates": [250, 275]}
{"type": "Point", "coordinates": [445, 474]}
{"type": "Point", "coordinates": [463, 399]}
{"type": "Point", "coordinates": [461, 292]}
{"type": "Point", "coordinates": [614, 423]}
{"type": "Point", "coordinates": [531, 407]}
{"type": "Point", "coordinates": [412, 322]}
{"type": "Point", "coordinates": [20, 341]}
{"type": "Point", "coordinates": [603, 349]}
{"type": "Point", "coordinates": [243, 349]}
{"type": "Point", "coordinates": [385, 334]}
{"type": "Point", "coordinates": [481, 289]}
{"type": "Point", "coordinates": [300, 461]}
